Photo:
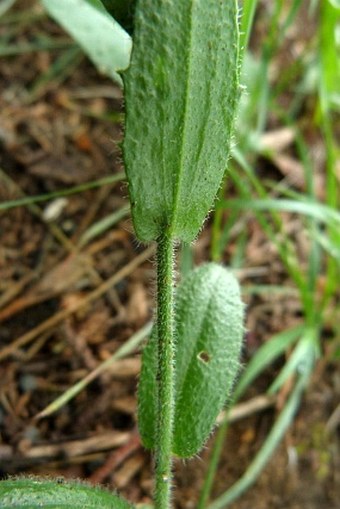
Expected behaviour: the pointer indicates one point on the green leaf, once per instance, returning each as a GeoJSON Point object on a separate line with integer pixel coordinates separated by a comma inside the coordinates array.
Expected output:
{"type": "Point", "coordinates": [101, 37]}
{"type": "Point", "coordinates": [209, 331]}
{"type": "Point", "coordinates": [36, 493]}
{"type": "Point", "coordinates": [181, 92]}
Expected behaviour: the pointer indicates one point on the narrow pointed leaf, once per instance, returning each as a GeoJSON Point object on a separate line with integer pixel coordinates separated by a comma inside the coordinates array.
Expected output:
{"type": "Point", "coordinates": [209, 331]}
{"type": "Point", "coordinates": [35, 493]}
{"type": "Point", "coordinates": [181, 92]}
{"type": "Point", "coordinates": [106, 43]}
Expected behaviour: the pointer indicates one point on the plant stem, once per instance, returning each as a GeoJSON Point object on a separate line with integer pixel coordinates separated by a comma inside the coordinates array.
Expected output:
{"type": "Point", "coordinates": [165, 370]}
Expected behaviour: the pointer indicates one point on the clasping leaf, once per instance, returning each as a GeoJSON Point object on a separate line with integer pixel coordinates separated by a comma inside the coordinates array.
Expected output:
{"type": "Point", "coordinates": [209, 331]}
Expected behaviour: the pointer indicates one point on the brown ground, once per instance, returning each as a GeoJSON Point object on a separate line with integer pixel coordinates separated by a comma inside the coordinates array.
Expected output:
{"type": "Point", "coordinates": [59, 319]}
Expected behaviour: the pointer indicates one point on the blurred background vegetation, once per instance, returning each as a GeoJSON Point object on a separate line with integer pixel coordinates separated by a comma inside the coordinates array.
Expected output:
{"type": "Point", "coordinates": [276, 223]}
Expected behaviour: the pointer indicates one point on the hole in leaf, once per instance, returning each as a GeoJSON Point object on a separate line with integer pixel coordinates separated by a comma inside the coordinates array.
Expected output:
{"type": "Point", "coordinates": [204, 357]}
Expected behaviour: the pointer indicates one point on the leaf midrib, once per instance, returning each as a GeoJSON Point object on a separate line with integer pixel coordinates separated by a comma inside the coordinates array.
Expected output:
{"type": "Point", "coordinates": [185, 116]}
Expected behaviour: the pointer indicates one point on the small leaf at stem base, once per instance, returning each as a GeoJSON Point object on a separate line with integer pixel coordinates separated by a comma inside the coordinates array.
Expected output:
{"type": "Point", "coordinates": [209, 332]}
{"type": "Point", "coordinates": [36, 493]}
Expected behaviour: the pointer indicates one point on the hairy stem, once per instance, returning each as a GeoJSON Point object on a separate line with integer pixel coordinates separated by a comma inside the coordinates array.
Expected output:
{"type": "Point", "coordinates": [165, 370]}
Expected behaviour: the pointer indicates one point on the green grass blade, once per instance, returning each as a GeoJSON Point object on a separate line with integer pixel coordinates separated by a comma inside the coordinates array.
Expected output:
{"type": "Point", "coordinates": [58, 71]}
{"type": "Point", "coordinates": [329, 76]}
{"type": "Point", "coordinates": [265, 355]}
{"type": "Point", "coordinates": [330, 245]}
{"type": "Point", "coordinates": [29, 200]}
{"type": "Point", "coordinates": [329, 56]}
{"type": "Point", "coordinates": [248, 13]}
{"type": "Point", "coordinates": [103, 225]}
{"type": "Point", "coordinates": [291, 15]}
{"type": "Point", "coordinates": [248, 183]}
{"type": "Point", "coordinates": [122, 352]}
{"type": "Point", "coordinates": [301, 358]}
{"type": "Point", "coordinates": [213, 465]}
{"type": "Point", "coordinates": [275, 436]}
{"type": "Point", "coordinates": [306, 207]}
{"type": "Point", "coordinates": [41, 44]}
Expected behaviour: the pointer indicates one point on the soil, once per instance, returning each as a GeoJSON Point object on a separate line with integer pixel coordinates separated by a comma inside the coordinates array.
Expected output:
{"type": "Point", "coordinates": [61, 126]}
